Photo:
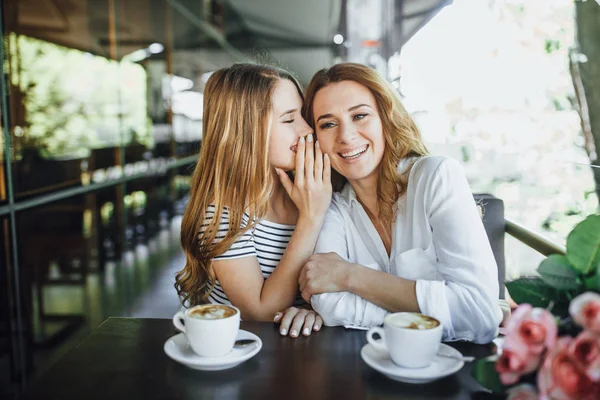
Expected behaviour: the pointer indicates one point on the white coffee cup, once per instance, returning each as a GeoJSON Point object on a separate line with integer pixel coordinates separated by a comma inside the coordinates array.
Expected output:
{"type": "Point", "coordinates": [211, 329]}
{"type": "Point", "coordinates": [411, 339]}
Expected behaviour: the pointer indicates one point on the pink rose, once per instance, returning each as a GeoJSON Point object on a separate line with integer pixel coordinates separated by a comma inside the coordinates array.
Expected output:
{"type": "Point", "coordinates": [585, 311]}
{"type": "Point", "coordinates": [535, 327]}
{"type": "Point", "coordinates": [515, 361]}
{"type": "Point", "coordinates": [522, 392]}
{"type": "Point", "coordinates": [561, 379]}
{"type": "Point", "coordinates": [585, 353]}
{"type": "Point", "coordinates": [529, 332]}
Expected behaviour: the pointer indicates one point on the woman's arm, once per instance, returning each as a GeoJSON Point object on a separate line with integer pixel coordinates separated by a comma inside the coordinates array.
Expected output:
{"type": "Point", "coordinates": [364, 295]}
{"type": "Point", "coordinates": [467, 299]}
{"type": "Point", "coordinates": [327, 279]}
{"type": "Point", "coordinates": [242, 279]}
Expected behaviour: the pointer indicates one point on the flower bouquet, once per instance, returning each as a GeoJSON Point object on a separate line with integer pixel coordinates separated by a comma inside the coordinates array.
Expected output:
{"type": "Point", "coordinates": [551, 349]}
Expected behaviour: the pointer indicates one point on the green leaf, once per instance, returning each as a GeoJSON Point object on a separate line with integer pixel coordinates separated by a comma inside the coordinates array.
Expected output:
{"type": "Point", "coordinates": [583, 245]}
{"type": "Point", "coordinates": [558, 273]}
{"type": "Point", "coordinates": [592, 282]}
{"type": "Point", "coordinates": [484, 372]}
{"type": "Point", "coordinates": [532, 290]}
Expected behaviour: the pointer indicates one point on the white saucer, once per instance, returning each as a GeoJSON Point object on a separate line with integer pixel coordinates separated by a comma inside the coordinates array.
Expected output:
{"type": "Point", "coordinates": [439, 368]}
{"type": "Point", "coordinates": [178, 348]}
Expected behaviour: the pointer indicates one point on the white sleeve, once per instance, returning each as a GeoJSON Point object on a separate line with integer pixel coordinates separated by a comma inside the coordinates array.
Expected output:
{"type": "Point", "coordinates": [342, 308]}
{"type": "Point", "coordinates": [466, 301]}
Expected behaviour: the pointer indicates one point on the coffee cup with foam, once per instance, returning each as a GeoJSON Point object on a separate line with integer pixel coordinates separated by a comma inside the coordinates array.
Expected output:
{"type": "Point", "coordinates": [211, 329]}
{"type": "Point", "coordinates": [411, 339]}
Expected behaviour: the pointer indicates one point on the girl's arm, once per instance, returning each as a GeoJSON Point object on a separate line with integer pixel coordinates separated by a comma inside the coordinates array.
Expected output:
{"type": "Point", "coordinates": [242, 279]}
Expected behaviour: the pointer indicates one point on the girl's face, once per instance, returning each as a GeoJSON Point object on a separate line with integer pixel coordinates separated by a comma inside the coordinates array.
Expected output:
{"type": "Point", "coordinates": [349, 129]}
{"type": "Point", "coordinates": [287, 125]}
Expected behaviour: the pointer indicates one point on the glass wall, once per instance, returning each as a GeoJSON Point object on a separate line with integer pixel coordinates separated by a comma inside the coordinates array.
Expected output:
{"type": "Point", "coordinates": [102, 113]}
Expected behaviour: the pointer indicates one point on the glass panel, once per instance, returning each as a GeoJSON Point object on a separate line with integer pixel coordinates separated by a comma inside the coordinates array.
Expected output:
{"type": "Point", "coordinates": [64, 92]}
{"type": "Point", "coordinates": [193, 55]}
{"type": "Point", "coordinates": [7, 364]}
{"type": "Point", "coordinates": [84, 264]}
{"type": "Point", "coordinates": [2, 175]}
{"type": "Point", "coordinates": [85, 107]}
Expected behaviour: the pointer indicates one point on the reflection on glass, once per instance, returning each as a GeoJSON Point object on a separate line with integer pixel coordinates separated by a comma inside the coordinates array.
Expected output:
{"type": "Point", "coordinates": [67, 105]}
{"type": "Point", "coordinates": [97, 91]}
{"type": "Point", "coordinates": [2, 180]}
{"type": "Point", "coordinates": [69, 99]}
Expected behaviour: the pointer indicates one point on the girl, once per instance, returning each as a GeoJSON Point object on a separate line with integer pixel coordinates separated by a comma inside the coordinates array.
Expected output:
{"type": "Point", "coordinates": [248, 229]}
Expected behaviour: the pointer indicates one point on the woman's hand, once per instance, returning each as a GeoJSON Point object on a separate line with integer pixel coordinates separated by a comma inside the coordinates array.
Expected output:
{"type": "Point", "coordinates": [295, 320]}
{"type": "Point", "coordinates": [311, 189]}
{"type": "Point", "coordinates": [324, 273]}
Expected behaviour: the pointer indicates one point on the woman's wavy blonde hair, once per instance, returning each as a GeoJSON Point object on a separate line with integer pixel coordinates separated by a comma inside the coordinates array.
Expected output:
{"type": "Point", "coordinates": [401, 135]}
{"type": "Point", "coordinates": [233, 171]}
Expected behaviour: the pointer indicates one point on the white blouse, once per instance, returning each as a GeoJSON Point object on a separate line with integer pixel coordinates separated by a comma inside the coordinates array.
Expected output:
{"type": "Point", "coordinates": [438, 240]}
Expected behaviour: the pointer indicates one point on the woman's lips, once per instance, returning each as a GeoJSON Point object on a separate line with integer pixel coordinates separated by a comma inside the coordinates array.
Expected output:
{"type": "Point", "coordinates": [353, 154]}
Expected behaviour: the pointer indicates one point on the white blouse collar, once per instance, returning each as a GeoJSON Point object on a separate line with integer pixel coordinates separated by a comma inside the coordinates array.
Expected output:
{"type": "Point", "coordinates": [347, 195]}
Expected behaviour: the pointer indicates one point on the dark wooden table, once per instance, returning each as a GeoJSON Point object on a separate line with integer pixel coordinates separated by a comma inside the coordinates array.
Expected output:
{"type": "Point", "coordinates": [124, 359]}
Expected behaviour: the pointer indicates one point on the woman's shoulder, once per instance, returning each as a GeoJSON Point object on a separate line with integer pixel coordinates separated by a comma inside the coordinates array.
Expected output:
{"type": "Point", "coordinates": [342, 200]}
{"type": "Point", "coordinates": [426, 167]}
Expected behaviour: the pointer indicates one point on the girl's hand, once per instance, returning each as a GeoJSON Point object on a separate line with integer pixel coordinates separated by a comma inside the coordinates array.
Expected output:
{"type": "Point", "coordinates": [311, 189]}
{"type": "Point", "coordinates": [296, 320]}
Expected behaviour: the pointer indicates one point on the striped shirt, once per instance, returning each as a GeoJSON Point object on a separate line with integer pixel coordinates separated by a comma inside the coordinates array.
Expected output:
{"type": "Point", "coordinates": [267, 241]}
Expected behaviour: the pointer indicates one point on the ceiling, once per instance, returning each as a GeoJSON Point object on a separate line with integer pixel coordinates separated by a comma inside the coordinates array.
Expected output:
{"type": "Point", "coordinates": [208, 34]}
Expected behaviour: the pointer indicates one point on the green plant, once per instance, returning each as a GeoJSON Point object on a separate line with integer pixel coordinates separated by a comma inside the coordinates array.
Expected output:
{"type": "Point", "coordinates": [563, 277]}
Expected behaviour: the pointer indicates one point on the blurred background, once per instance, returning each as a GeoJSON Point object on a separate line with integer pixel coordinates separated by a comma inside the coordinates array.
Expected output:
{"type": "Point", "coordinates": [101, 115]}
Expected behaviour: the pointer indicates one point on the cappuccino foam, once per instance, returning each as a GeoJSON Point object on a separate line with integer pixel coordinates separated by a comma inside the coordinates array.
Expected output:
{"type": "Point", "coordinates": [212, 312]}
{"type": "Point", "coordinates": [414, 321]}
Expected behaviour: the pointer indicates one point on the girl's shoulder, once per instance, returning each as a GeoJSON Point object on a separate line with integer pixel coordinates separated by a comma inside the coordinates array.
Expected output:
{"type": "Point", "coordinates": [212, 212]}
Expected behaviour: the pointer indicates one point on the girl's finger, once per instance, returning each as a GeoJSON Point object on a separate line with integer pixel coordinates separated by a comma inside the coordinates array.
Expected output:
{"type": "Point", "coordinates": [309, 159]}
{"type": "Point", "coordinates": [278, 317]}
{"type": "Point", "coordinates": [288, 317]}
{"type": "Point", "coordinates": [309, 322]}
{"type": "Point", "coordinates": [326, 170]}
{"type": "Point", "coordinates": [299, 177]}
{"type": "Point", "coordinates": [318, 163]}
{"type": "Point", "coordinates": [299, 319]}
{"type": "Point", "coordinates": [318, 323]}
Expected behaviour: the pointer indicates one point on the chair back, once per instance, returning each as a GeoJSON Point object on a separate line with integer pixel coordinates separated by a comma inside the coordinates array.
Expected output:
{"type": "Point", "coordinates": [492, 213]}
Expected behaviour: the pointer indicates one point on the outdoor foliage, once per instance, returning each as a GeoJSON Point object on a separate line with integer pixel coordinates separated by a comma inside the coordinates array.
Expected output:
{"type": "Point", "coordinates": [70, 99]}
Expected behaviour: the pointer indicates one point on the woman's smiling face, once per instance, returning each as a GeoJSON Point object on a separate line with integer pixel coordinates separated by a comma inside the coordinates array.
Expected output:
{"type": "Point", "coordinates": [349, 129]}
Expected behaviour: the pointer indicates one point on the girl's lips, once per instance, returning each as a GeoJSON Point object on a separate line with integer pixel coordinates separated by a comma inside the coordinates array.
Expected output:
{"type": "Point", "coordinates": [294, 148]}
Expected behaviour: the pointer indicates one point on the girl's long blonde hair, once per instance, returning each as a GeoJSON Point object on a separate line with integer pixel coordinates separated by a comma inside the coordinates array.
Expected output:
{"type": "Point", "coordinates": [401, 135]}
{"type": "Point", "coordinates": [233, 171]}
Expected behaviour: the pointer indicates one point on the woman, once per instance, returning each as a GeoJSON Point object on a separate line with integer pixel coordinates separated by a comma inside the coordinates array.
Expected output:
{"type": "Point", "coordinates": [248, 229]}
{"type": "Point", "coordinates": [403, 232]}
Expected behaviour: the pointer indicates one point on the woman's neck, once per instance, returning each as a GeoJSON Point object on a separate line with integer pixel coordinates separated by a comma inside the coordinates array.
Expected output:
{"type": "Point", "coordinates": [282, 209]}
{"type": "Point", "coordinates": [366, 193]}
